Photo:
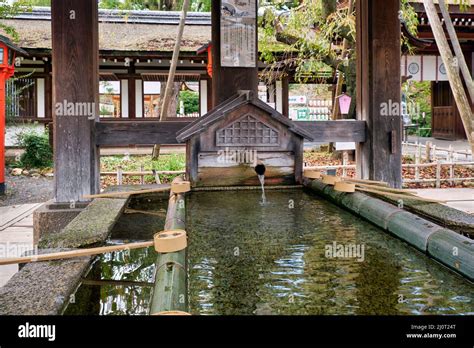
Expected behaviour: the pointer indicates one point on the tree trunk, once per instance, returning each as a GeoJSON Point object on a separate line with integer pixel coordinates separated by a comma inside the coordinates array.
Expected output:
{"type": "Point", "coordinates": [455, 82]}
{"type": "Point", "coordinates": [173, 100]}
{"type": "Point", "coordinates": [457, 49]}
{"type": "Point", "coordinates": [174, 61]}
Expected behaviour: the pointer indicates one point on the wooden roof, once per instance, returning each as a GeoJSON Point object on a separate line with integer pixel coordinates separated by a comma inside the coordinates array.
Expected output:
{"type": "Point", "coordinates": [120, 30]}
{"type": "Point", "coordinates": [242, 98]}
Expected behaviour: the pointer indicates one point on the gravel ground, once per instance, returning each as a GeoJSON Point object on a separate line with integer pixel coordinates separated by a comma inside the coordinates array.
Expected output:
{"type": "Point", "coordinates": [26, 189]}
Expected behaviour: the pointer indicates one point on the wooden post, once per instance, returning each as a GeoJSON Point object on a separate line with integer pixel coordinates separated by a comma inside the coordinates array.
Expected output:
{"type": "Point", "coordinates": [455, 82]}
{"type": "Point", "coordinates": [438, 174]}
{"type": "Point", "coordinates": [75, 60]}
{"type": "Point", "coordinates": [428, 151]}
{"type": "Point", "coordinates": [345, 161]}
{"type": "Point", "coordinates": [226, 81]}
{"type": "Point", "coordinates": [119, 175]}
{"type": "Point", "coordinates": [131, 92]}
{"type": "Point", "coordinates": [417, 169]}
{"type": "Point", "coordinates": [379, 81]}
{"type": "Point", "coordinates": [285, 95]}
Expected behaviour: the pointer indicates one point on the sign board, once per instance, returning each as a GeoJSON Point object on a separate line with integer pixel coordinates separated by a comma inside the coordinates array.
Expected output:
{"type": "Point", "coordinates": [238, 33]}
{"type": "Point", "coordinates": [341, 146]}
{"type": "Point", "coordinates": [297, 99]}
{"type": "Point", "coordinates": [302, 114]}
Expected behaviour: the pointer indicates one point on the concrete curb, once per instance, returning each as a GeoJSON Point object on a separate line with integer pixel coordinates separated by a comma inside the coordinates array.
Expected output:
{"type": "Point", "coordinates": [446, 246]}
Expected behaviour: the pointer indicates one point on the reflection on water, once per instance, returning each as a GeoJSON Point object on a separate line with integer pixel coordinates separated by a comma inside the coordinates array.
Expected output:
{"type": "Point", "coordinates": [245, 258]}
{"type": "Point", "coordinates": [119, 283]}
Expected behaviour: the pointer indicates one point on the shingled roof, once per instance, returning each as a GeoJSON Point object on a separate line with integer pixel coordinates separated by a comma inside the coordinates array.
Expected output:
{"type": "Point", "coordinates": [120, 30]}
{"type": "Point", "coordinates": [240, 99]}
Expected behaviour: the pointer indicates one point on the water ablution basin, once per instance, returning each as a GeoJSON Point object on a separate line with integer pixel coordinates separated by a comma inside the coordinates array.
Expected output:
{"type": "Point", "coordinates": [282, 257]}
{"type": "Point", "coordinates": [297, 247]}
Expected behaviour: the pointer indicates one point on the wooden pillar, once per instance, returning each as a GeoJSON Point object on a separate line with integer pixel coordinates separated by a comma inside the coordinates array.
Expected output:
{"type": "Point", "coordinates": [285, 96]}
{"type": "Point", "coordinates": [48, 101]}
{"type": "Point", "coordinates": [203, 97]}
{"type": "Point", "coordinates": [132, 110]}
{"type": "Point", "coordinates": [226, 81]}
{"type": "Point", "coordinates": [378, 90]}
{"type": "Point", "coordinates": [76, 86]}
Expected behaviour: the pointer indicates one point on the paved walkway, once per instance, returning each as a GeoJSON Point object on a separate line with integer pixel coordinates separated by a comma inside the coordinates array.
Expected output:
{"type": "Point", "coordinates": [16, 235]}
{"type": "Point", "coordinates": [457, 194]}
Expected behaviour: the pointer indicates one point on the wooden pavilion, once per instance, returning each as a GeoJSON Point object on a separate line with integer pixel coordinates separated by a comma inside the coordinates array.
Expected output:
{"type": "Point", "coordinates": [75, 61]}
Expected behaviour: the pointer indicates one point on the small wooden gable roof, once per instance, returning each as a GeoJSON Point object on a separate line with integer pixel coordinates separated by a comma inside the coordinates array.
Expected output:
{"type": "Point", "coordinates": [231, 104]}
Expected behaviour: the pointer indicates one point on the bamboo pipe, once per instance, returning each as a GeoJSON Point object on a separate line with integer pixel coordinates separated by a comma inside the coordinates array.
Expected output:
{"type": "Point", "coordinates": [387, 189]}
{"type": "Point", "coordinates": [170, 289]}
{"type": "Point", "coordinates": [117, 194]}
{"type": "Point", "coordinates": [397, 195]}
{"type": "Point", "coordinates": [369, 182]}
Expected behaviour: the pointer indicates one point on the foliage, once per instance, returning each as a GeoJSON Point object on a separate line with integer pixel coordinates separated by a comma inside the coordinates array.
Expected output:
{"type": "Point", "coordinates": [424, 132]}
{"type": "Point", "coordinates": [419, 94]}
{"type": "Point", "coordinates": [45, 3]}
{"type": "Point", "coordinates": [311, 33]}
{"type": "Point", "coordinates": [166, 162]}
{"type": "Point", "coordinates": [38, 152]}
{"type": "Point", "coordinates": [164, 5]}
{"type": "Point", "coordinates": [190, 100]}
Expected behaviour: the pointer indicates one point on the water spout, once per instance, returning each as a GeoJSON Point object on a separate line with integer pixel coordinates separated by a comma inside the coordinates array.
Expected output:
{"type": "Point", "coordinates": [260, 170]}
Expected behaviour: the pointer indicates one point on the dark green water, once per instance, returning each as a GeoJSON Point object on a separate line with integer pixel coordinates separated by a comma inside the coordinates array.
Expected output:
{"type": "Point", "coordinates": [248, 258]}
{"type": "Point", "coordinates": [117, 282]}
{"type": "Point", "coordinates": [245, 258]}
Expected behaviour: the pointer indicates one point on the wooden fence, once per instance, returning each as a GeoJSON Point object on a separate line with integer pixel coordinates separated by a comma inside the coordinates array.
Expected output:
{"type": "Point", "coordinates": [119, 174]}
{"type": "Point", "coordinates": [438, 179]}
{"type": "Point", "coordinates": [431, 152]}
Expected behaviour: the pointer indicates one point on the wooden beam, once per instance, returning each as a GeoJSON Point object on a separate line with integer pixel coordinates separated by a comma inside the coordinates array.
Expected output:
{"type": "Point", "coordinates": [379, 89]}
{"type": "Point", "coordinates": [122, 133]}
{"type": "Point", "coordinates": [75, 82]}
{"type": "Point", "coordinates": [334, 131]}
{"type": "Point", "coordinates": [226, 81]}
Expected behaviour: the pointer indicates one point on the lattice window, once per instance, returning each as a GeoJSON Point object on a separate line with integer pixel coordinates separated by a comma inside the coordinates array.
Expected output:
{"type": "Point", "coordinates": [247, 131]}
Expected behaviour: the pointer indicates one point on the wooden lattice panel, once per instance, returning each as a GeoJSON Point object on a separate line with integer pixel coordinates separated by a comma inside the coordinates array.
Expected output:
{"type": "Point", "coordinates": [247, 131]}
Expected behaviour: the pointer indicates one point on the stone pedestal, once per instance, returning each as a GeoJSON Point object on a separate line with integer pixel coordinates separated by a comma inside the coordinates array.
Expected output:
{"type": "Point", "coordinates": [52, 217]}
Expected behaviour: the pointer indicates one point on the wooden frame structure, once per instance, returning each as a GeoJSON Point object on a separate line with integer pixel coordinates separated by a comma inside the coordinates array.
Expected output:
{"type": "Point", "coordinates": [77, 138]}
